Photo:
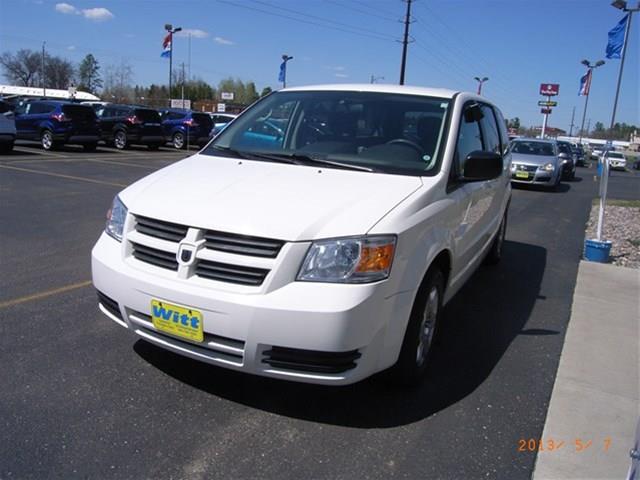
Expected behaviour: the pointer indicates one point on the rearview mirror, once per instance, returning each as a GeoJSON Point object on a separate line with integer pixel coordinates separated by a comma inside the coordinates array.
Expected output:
{"type": "Point", "coordinates": [481, 165]}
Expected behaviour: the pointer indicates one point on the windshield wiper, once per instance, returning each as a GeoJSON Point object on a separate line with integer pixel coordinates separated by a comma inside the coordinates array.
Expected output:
{"type": "Point", "coordinates": [229, 151]}
{"type": "Point", "coordinates": [300, 159]}
{"type": "Point", "coordinates": [253, 155]}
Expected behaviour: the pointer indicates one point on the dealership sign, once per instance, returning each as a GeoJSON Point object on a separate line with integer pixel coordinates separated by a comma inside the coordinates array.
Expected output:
{"type": "Point", "coordinates": [547, 104]}
{"type": "Point", "coordinates": [546, 111]}
{"type": "Point", "coordinates": [549, 89]}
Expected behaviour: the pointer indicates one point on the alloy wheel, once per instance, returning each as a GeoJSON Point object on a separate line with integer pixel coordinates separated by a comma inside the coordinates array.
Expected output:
{"type": "Point", "coordinates": [47, 140]}
{"type": "Point", "coordinates": [427, 326]}
{"type": "Point", "coordinates": [120, 140]}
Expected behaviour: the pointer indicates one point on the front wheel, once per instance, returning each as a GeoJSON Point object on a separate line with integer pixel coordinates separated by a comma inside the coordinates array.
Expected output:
{"type": "Point", "coordinates": [414, 357]}
{"type": "Point", "coordinates": [178, 140]}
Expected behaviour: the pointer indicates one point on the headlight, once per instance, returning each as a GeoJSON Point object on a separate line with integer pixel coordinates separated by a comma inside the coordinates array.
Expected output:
{"type": "Point", "coordinates": [115, 219]}
{"type": "Point", "coordinates": [548, 167]}
{"type": "Point", "coordinates": [349, 260]}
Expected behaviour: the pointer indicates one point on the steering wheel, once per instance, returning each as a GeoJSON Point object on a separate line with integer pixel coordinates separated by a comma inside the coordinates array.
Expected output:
{"type": "Point", "coordinates": [406, 143]}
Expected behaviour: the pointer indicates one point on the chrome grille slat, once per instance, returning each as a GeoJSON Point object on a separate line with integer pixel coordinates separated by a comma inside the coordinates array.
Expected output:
{"type": "Point", "coordinates": [161, 229]}
{"type": "Point", "coordinates": [231, 273]}
{"type": "Point", "coordinates": [242, 244]}
{"type": "Point", "coordinates": [156, 257]}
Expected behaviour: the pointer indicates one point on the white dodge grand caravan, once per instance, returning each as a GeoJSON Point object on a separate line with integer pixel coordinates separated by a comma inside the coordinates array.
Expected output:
{"type": "Point", "coordinates": [316, 238]}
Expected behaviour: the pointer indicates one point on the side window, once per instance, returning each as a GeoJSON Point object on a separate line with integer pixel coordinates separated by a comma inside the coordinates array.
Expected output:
{"type": "Point", "coordinates": [502, 128]}
{"type": "Point", "coordinates": [490, 130]}
{"type": "Point", "coordinates": [469, 139]}
{"type": "Point", "coordinates": [48, 108]}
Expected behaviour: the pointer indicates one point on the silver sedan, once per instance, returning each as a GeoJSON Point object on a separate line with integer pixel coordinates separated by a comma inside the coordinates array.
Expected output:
{"type": "Point", "coordinates": [535, 162]}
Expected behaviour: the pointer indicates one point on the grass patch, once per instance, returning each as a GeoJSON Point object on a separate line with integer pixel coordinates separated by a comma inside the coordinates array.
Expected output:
{"type": "Point", "coordinates": [618, 203]}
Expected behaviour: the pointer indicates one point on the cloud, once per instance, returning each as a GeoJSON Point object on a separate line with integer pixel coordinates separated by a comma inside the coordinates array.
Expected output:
{"type": "Point", "coordinates": [98, 14]}
{"type": "Point", "coordinates": [341, 75]}
{"type": "Point", "coordinates": [193, 32]}
{"type": "Point", "coordinates": [71, 48]}
{"type": "Point", "coordinates": [338, 68]}
{"type": "Point", "coordinates": [66, 8]}
{"type": "Point", "coordinates": [223, 41]}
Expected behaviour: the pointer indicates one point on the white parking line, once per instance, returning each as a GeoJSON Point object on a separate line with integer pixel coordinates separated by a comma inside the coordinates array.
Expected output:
{"type": "Point", "coordinates": [38, 152]}
{"type": "Point", "coordinates": [59, 175]}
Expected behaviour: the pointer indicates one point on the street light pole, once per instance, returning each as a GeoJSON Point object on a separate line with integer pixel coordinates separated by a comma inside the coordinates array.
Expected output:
{"type": "Point", "coordinates": [480, 82]}
{"type": "Point", "coordinates": [405, 41]}
{"type": "Point", "coordinates": [169, 28]}
{"type": "Point", "coordinates": [590, 67]}
{"type": "Point", "coordinates": [44, 82]}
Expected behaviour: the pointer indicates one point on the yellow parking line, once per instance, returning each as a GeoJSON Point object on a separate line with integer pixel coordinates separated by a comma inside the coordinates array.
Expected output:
{"type": "Point", "coordinates": [69, 177]}
{"type": "Point", "coordinates": [47, 293]}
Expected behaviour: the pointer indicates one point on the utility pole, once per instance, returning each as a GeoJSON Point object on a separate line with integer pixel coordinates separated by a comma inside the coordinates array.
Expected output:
{"type": "Point", "coordinates": [189, 55]}
{"type": "Point", "coordinates": [588, 126]}
{"type": "Point", "coordinates": [182, 94]}
{"type": "Point", "coordinates": [43, 81]}
{"type": "Point", "coordinates": [573, 114]}
{"type": "Point", "coordinates": [405, 41]}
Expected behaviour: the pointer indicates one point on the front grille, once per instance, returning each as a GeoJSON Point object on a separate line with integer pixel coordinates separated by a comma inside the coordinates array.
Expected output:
{"type": "Point", "coordinates": [311, 360]}
{"type": "Point", "coordinates": [161, 229]}
{"type": "Point", "coordinates": [242, 244]}
{"type": "Point", "coordinates": [231, 273]}
{"type": "Point", "coordinates": [526, 168]}
{"type": "Point", "coordinates": [109, 304]}
{"type": "Point", "coordinates": [156, 257]}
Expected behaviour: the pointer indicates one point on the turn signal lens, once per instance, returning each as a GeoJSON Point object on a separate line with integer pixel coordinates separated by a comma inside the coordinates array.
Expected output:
{"type": "Point", "coordinates": [376, 259]}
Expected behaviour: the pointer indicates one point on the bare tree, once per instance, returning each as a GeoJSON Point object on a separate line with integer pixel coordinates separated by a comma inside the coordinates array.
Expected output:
{"type": "Point", "coordinates": [22, 68]}
{"type": "Point", "coordinates": [118, 83]}
{"type": "Point", "coordinates": [59, 72]}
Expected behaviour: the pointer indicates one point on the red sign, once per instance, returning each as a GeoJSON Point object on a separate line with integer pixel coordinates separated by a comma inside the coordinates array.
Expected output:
{"type": "Point", "coordinates": [549, 89]}
{"type": "Point", "coordinates": [546, 111]}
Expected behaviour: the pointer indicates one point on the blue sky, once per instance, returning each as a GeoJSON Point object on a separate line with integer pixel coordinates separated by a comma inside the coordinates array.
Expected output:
{"type": "Point", "coordinates": [518, 44]}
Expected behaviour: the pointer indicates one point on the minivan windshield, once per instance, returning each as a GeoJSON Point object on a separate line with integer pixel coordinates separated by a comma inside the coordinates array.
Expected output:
{"type": "Point", "coordinates": [371, 131]}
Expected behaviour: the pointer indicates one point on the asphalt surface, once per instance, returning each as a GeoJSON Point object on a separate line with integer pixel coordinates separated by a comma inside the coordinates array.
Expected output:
{"type": "Point", "coordinates": [82, 397]}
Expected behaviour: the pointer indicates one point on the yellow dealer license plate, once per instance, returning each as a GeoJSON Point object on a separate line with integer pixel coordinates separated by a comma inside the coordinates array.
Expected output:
{"type": "Point", "coordinates": [178, 321]}
{"type": "Point", "coordinates": [522, 175]}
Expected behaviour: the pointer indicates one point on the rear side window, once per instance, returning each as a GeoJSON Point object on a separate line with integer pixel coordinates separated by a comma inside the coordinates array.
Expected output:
{"type": "Point", "coordinates": [203, 119]}
{"type": "Point", "coordinates": [79, 112]}
{"type": "Point", "coordinates": [147, 115]}
{"type": "Point", "coordinates": [469, 140]}
{"type": "Point", "coordinates": [173, 116]}
{"type": "Point", "coordinates": [502, 129]}
{"type": "Point", "coordinates": [40, 108]}
{"type": "Point", "coordinates": [490, 130]}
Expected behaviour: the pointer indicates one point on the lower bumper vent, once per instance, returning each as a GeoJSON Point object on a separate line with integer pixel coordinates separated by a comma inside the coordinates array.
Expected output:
{"type": "Point", "coordinates": [310, 360]}
{"type": "Point", "coordinates": [109, 304]}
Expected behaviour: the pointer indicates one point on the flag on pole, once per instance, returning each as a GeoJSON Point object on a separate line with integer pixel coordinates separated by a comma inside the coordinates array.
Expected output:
{"type": "Point", "coordinates": [166, 46]}
{"type": "Point", "coordinates": [616, 38]}
{"type": "Point", "coordinates": [283, 72]}
{"type": "Point", "coordinates": [585, 83]}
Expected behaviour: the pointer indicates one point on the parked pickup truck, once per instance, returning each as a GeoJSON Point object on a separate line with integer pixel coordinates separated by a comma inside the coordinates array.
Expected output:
{"type": "Point", "coordinates": [317, 237]}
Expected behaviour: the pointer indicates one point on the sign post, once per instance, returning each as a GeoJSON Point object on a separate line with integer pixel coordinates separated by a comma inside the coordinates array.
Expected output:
{"type": "Point", "coordinates": [549, 90]}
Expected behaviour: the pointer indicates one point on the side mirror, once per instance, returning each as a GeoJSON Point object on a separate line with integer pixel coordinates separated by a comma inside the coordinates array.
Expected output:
{"type": "Point", "coordinates": [481, 165]}
{"type": "Point", "coordinates": [563, 156]}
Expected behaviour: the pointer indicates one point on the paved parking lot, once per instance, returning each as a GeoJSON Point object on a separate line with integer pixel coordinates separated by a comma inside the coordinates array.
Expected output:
{"type": "Point", "coordinates": [83, 397]}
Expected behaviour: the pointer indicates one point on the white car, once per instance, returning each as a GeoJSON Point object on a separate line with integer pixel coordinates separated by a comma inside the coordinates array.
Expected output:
{"type": "Point", "coordinates": [616, 161]}
{"type": "Point", "coordinates": [7, 128]}
{"type": "Point", "coordinates": [317, 238]}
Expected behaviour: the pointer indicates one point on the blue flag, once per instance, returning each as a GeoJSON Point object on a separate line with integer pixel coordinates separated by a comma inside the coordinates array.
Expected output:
{"type": "Point", "coordinates": [283, 72]}
{"type": "Point", "coordinates": [616, 38]}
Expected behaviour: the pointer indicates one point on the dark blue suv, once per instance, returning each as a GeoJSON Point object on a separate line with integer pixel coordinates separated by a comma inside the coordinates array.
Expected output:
{"type": "Point", "coordinates": [186, 126]}
{"type": "Point", "coordinates": [55, 123]}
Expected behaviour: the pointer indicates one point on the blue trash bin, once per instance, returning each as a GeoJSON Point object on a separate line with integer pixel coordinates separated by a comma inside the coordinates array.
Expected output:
{"type": "Point", "coordinates": [597, 251]}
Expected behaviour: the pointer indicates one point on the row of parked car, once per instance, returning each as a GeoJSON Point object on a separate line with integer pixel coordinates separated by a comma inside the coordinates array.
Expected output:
{"type": "Point", "coordinates": [54, 123]}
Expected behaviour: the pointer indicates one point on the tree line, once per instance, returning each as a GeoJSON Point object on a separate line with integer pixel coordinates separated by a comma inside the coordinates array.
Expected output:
{"type": "Point", "coordinates": [115, 82]}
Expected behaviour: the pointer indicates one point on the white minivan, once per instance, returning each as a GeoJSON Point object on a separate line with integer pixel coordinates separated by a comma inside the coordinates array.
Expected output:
{"type": "Point", "coordinates": [317, 238]}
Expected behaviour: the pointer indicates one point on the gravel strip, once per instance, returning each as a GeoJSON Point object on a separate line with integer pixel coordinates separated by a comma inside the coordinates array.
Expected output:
{"type": "Point", "coordinates": [622, 228]}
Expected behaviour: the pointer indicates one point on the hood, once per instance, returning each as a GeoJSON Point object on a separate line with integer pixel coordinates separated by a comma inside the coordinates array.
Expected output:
{"type": "Point", "coordinates": [266, 199]}
{"type": "Point", "coordinates": [533, 159]}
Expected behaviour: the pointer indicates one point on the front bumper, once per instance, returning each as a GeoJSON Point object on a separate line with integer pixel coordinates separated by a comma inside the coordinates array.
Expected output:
{"type": "Point", "coordinates": [243, 329]}
{"type": "Point", "coordinates": [534, 177]}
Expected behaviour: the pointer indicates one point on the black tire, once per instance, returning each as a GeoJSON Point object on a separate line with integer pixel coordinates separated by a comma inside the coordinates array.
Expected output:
{"type": "Point", "coordinates": [6, 147]}
{"type": "Point", "coordinates": [90, 147]}
{"type": "Point", "coordinates": [178, 141]}
{"type": "Point", "coordinates": [120, 140]}
{"type": "Point", "coordinates": [495, 252]}
{"type": "Point", "coordinates": [46, 140]}
{"type": "Point", "coordinates": [413, 362]}
{"type": "Point", "coordinates": [153, 146]}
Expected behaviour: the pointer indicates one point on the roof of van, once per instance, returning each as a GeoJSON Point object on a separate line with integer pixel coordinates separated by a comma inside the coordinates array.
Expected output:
{"type": "Point", "coordinates": [379, 88]}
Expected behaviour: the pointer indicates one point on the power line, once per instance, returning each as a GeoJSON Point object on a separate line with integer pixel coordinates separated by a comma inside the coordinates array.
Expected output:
{"type": "Point", "coordinates": [362, 11]}
{"type": "Point", "coordinates": [368, 5]}
{"type": "Point", "coordinates": [309, 22]}
{"type": "Point", "coordinates": [315, 17]}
